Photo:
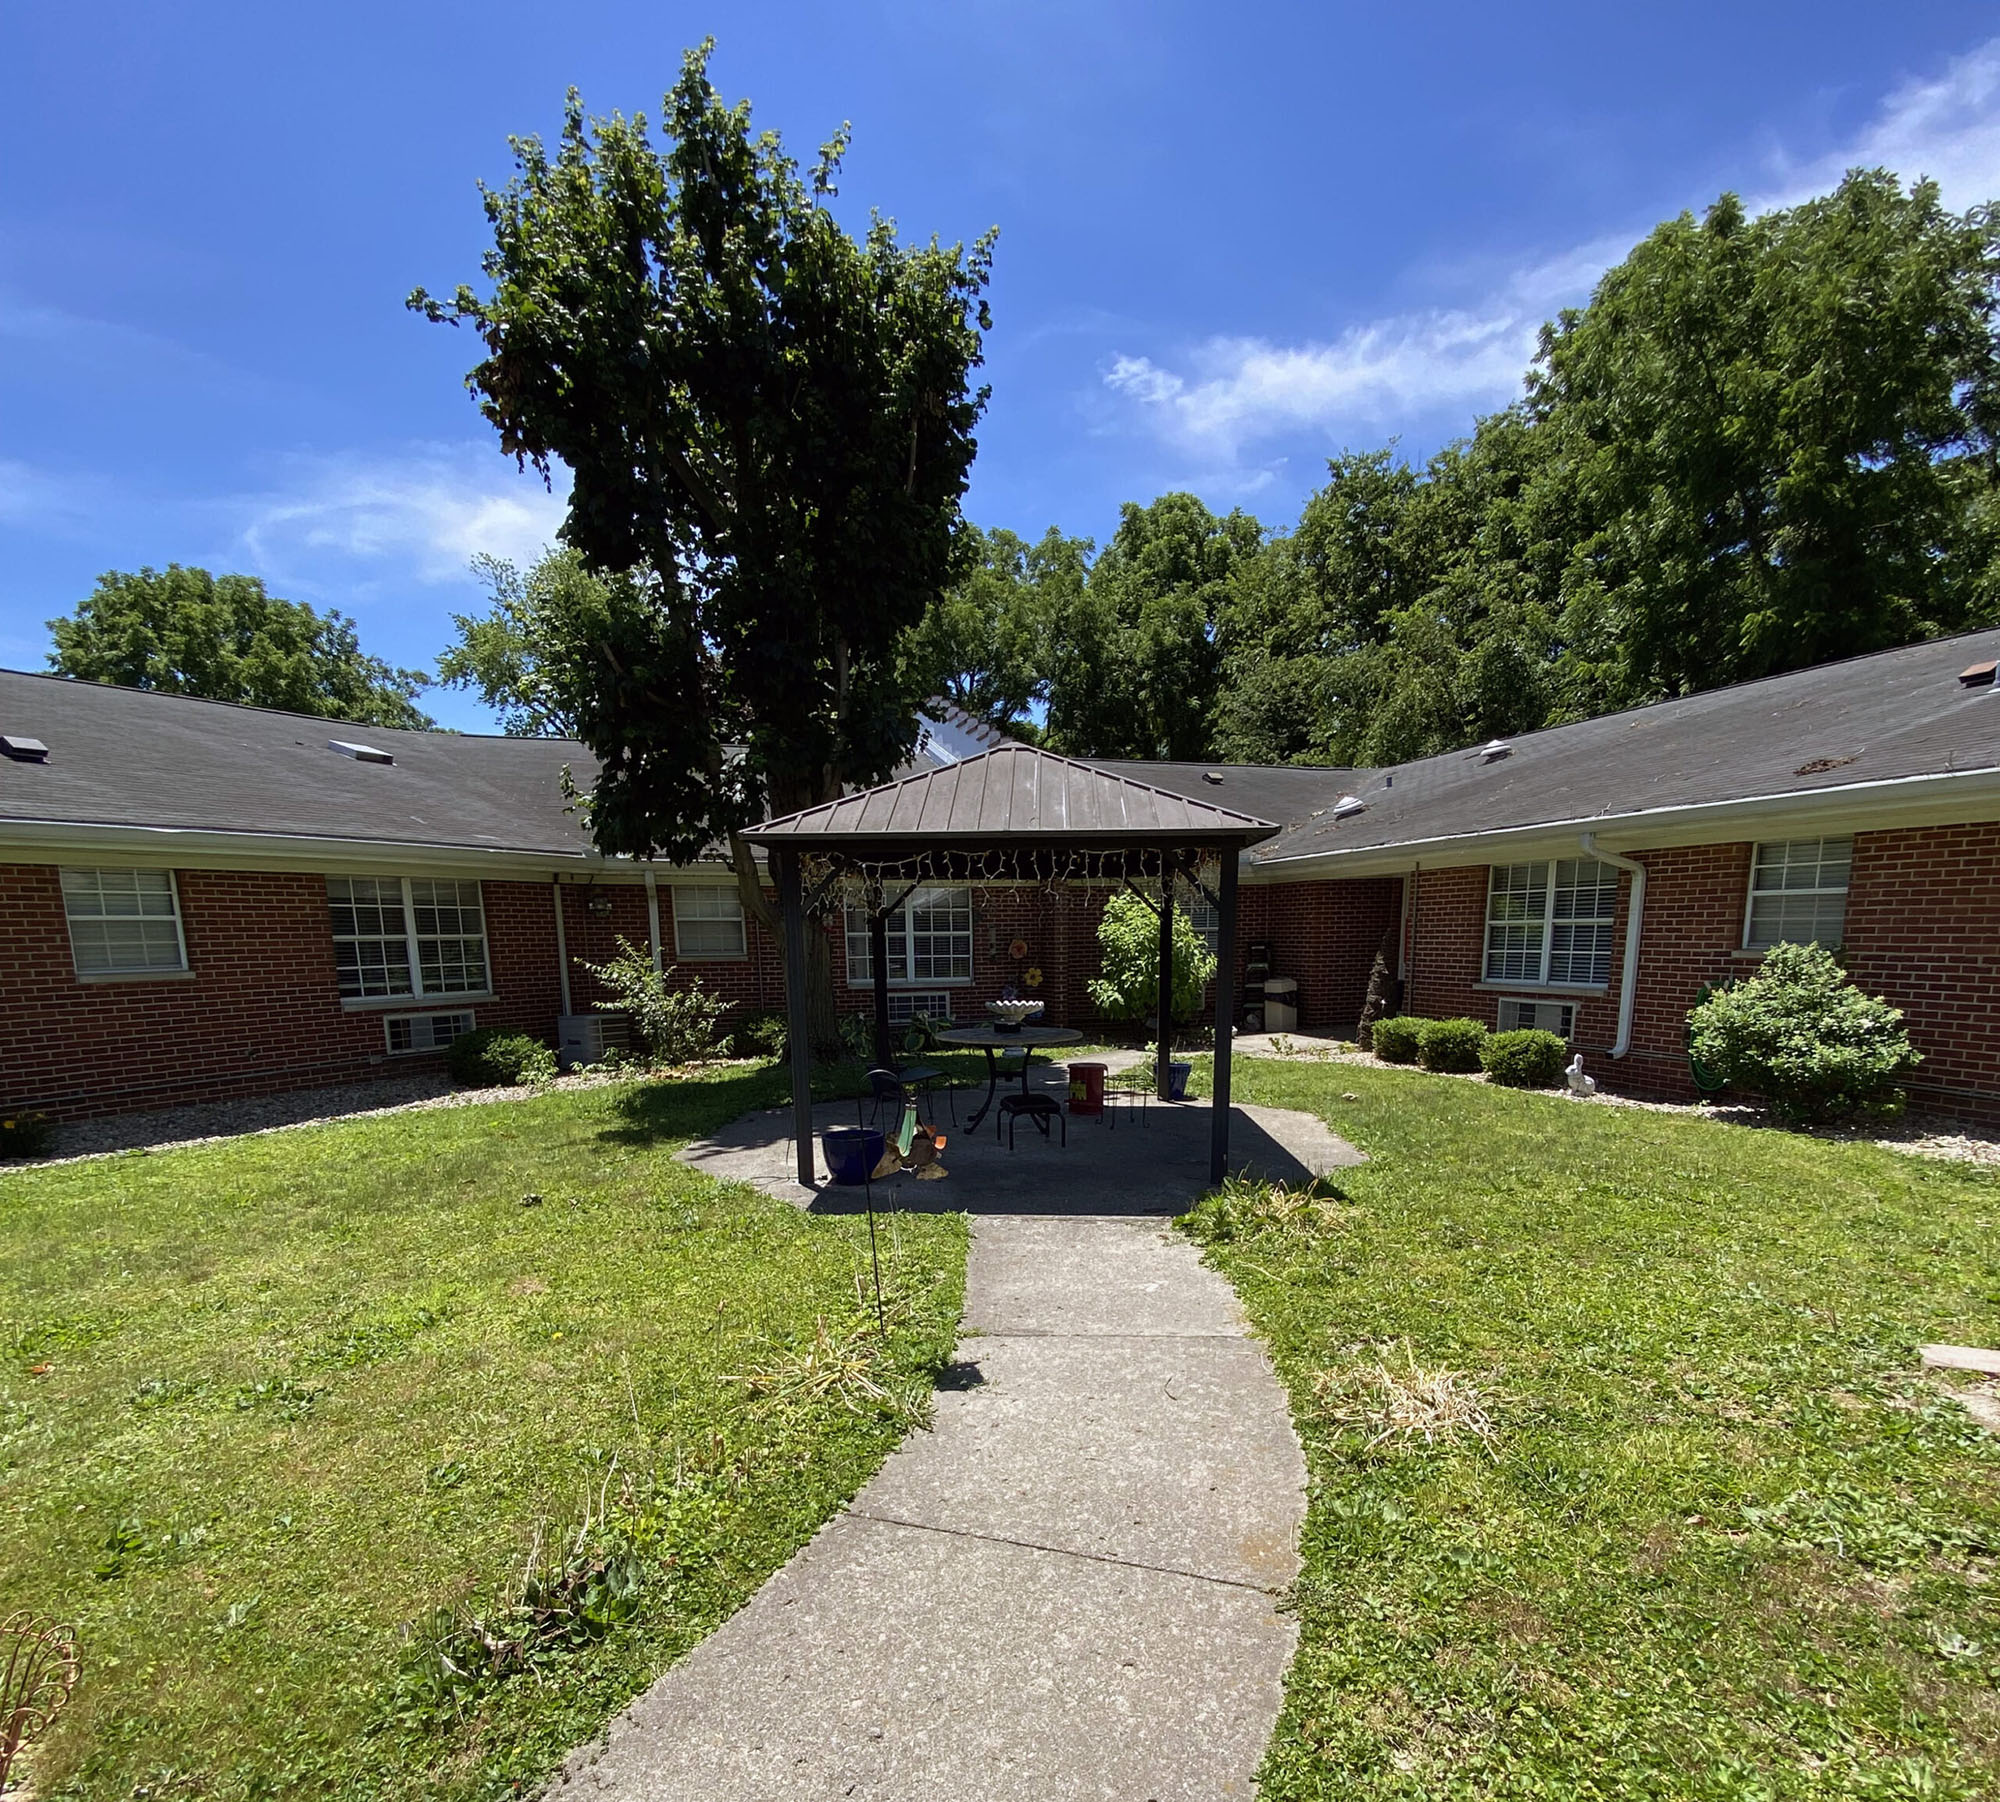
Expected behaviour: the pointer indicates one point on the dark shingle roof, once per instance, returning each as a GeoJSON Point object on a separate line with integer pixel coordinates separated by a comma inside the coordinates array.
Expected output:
{"type": "Point", "coordinates": [1880, 718]}
{"type": "Point", "coordinates": [1012, 793]}
{"type": "Point", "coordinates": [124, 757]}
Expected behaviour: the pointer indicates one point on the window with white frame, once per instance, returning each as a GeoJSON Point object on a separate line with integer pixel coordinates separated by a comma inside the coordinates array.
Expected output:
{"type": "Point", "coordinates": [123, 922]}
{"type": "Point", "coordinates": [929, 934]}
{"type": "Point", "coordinates": [1518, 1014]}
{"type": "Point", "coordinates": [407, 935]}
{"type": "Point", "coordinates": [1201, 914]}
{"type": "Point", "coordinates": [708, 923]}
{"type": "Point", "coordinates": [1551, 922]}
{"type": "Point", "coordinates": [1798, 893]}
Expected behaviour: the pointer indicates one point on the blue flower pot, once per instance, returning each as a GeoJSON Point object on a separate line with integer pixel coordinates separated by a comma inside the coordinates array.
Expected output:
{"type": "Point", "coordinates": [851, 1153]}
{"type": "Point", "coordinates": [1177, 1075]}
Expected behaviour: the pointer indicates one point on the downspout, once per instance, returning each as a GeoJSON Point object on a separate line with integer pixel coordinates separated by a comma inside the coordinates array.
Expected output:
{"type": "Point", "coordinates": [562, 944]}
{"type": "Point", "coordinates": [1635, 921]}
{"type": "Point", "coordinates": [653, 915]}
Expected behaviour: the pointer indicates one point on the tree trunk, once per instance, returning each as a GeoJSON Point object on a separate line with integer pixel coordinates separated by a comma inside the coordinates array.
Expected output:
{"type": "Point", "coordinates": [1377, 1002]}
{"type": "Point", "coordinates": [822, 1008]}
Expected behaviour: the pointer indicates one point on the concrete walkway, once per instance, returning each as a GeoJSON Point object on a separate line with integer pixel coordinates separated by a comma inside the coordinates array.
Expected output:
{"type": "Point", "coordinates": [1067, 1589]}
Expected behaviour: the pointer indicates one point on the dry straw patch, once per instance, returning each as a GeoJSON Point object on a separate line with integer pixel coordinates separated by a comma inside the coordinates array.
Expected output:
{"type": "Point", "coordinates": [1397, 1402]}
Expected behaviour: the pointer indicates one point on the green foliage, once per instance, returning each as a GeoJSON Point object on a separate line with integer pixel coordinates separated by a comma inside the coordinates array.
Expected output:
{"type": "Point", "coordinates": [1394, 1040]}
{"type": "Point", "coordinates": [1132, 665]}
{"type": "Point", "coordinates": [25, 1135]}
{"type": "Point", "coordinates": [493, 1058]}
{"type": "Point", "coordinates": [1727, 1541]}
{"type": "Point", "coordinates": [1449, 1045]}
{"type": "Point", "coordinates": [761, 1035]}
{"type": "Point", "coordinates": [768, 425]}
{"type": "Point", "coordinates": [1128, 985]}
{"type": "Point", "coordinates": [677, 1024]}
{"type": "Point", "coordinates": [182, 631]}
{"type": "Point", "coordinates": [1525, 1059]}
{"type": "Point", "coordinates": [1803, 1036]}
{"type": "Point", "coordinates": [341, 1408]}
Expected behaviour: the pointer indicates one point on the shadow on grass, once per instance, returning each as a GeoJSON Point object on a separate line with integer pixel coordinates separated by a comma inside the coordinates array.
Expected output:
{"type": "Point", "coordinates": [675, 1108]}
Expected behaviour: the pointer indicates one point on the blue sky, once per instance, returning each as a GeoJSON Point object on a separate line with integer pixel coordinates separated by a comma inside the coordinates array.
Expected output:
{"type": "Point", "coordinates": [1234, 239]}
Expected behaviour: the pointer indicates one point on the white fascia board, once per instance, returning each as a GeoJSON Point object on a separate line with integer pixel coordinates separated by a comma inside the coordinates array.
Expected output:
{"type": "Point", "coordinates": [59, 841]}
{"type": "Point", "coordinates": [1950, 797]}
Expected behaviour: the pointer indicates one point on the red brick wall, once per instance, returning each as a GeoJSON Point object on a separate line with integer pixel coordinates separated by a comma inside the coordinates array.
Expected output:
{"type": "Point", "coordinates": [260, 1010]}
{"type": "Point", "coordinates": [1923, 929]}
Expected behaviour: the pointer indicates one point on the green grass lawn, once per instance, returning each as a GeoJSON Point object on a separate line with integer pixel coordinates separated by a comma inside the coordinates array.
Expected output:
{"type": "Point", "coordinates": [1724, 1542]}
{"type": "Point", "coordinates": [315, 1401]}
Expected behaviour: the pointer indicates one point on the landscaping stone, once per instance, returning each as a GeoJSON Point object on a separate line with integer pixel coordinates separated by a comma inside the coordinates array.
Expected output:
{"type": "Point", "coordinates": [1960, 1357]}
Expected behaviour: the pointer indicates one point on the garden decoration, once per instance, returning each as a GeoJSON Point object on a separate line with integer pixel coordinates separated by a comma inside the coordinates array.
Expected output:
{"type": "Point", "coordinates": [912, 1147]}
{"type": "Point", "coordinates": [36, 1682]}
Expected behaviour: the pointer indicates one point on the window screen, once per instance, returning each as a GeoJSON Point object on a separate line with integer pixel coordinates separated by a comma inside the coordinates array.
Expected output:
{"type": "Point", "coordinates": [123, 922]}
{"type": "Point", "coordinates": [708, 923]}
{"type": "Point", "coordinates": [1798, 893]}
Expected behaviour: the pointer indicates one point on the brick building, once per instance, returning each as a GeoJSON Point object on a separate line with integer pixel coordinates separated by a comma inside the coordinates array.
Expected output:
{"type": "Point", "coordinates": [199, 900]}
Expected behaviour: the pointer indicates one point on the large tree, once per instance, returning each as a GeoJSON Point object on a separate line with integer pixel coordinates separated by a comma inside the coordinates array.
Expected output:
{"type": "Point", "coordinates": [183, 631]}
{"type": "Point", "coordinates": [768, 425]}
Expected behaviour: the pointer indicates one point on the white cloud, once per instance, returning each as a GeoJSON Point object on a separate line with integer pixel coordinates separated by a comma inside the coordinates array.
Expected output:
{"type": "Point", "coordinates": [29, 496]}
{"type": "Point", "coordinates": [1235, 392]}
{"type": "Point", "coordinates": [421, 515]}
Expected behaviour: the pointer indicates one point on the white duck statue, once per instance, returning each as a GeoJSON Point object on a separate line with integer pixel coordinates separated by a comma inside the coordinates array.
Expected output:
{"type": "Point", "coordinates": [1579, 1083]}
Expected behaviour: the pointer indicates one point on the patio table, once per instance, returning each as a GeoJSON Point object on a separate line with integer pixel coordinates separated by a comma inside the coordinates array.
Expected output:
{"type": "Point", "coordinates": [992, 1041]}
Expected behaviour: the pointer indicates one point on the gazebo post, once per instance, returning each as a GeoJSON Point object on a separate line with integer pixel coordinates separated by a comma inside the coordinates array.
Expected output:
{"type": "Point", "coordinates": [797, 1032]}
{"type": "Point", "coordinates": [1225, 1016]}
{"type": "Point", "coordinates": [1162, 1063]}
{"type": "Point", "coordinates": [878, 957]}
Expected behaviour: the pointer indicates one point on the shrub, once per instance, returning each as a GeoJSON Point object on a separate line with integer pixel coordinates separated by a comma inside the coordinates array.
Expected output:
{"type": "Point", "coordinates": [1526, 1059]}
{"type": "Point", "coordinates": [25, 1135]}
{"type": "Point", "coordinates": [677, 1025]}
{"type": "Point", "coordinates": [1804, 1037]}
{"type": "Point", "coordinates": [762, 1035]}
{"type": "Point", "coordinates": [1128, 985]}
{"type": "Point", "coordinates": [1394, 1040]}
{"type": "Point", "coordinates": [1451, 1045]}
{"type": "Point", "coordinates": [493, 1059]}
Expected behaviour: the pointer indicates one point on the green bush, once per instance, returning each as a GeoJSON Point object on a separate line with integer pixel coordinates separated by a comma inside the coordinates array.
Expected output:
{"type": "Point", "coordinates": [1394, 1040]}
{"type": "Point", "coordinates": [26, 1135]}
{"type": "Point", "coordinates": [1526, 1059]}
{"type": "Point", "coordinates": [677, 1025]}
{"type": "Point", "coordinates": [1128, 985]}
{"type": "Point", "coordinates": [762, 1035]}
{"type": "Point", "coordinates": [1804, 1037]}
{"type": "Point", "coordinates": [1450, 1045]}
{"type": "Point", "coordinates": [494, 1059]}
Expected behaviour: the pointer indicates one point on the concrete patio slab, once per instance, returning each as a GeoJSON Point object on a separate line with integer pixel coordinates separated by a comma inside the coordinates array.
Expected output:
{"type": "Point", "coordinates": [1076, 1276]}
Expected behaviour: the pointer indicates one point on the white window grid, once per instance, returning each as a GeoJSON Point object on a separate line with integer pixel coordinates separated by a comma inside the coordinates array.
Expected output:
{"type": "Point", "coordinates": [124, 922]}
{"type": "Point", "coordinates": [1201, 914]}
{"type": "Point", "coordinates": [1520, 1013]}
{"type": "Point", "coordinates": [408, 1034]}
{"type": "Point", "coordinates": [708, 924]}
{"type": "Point", "coordinates": [929, 939]}
{"type": "Point", "coordinates": [1798, 893]}
{"type": "Point", "coordinates": [1551, 922]}
{"type": "Point", "coordinates": [407, 935]}
{"type": "Point", "coordinates": [906, 1004]}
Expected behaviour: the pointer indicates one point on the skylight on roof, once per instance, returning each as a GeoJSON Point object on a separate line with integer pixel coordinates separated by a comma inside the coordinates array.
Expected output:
{"type": "Point", "coordinates": [359, 752]}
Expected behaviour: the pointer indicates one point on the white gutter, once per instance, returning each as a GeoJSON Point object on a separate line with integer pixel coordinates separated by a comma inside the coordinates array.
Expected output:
{"type": "Point", "coordinates": [562, 942]}
{"type": "Point", "coordinates": [653, 914]}
{"type": "Point", "coordinates": [1635, 920]}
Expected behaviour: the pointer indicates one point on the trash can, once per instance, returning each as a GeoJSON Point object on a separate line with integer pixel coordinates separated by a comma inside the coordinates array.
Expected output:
{"type": "Point", "coordinates": [1281, 1004]}
{"type": "Point", "coordinates": [1177, 1081]}
{"type": "Point", "coordinates": [1086, 1090]}
{"type": "Point", "coordinates": [851, 1152]}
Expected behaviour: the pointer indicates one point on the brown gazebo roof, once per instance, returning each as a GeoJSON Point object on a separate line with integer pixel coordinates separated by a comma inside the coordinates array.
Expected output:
{"type": "Point", "coordinates": [1013, 795]}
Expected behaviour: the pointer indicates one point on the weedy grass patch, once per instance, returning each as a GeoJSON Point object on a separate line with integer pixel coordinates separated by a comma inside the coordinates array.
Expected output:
{"type": "Point", "coordinates": [390, 1458]}
{"type": "Point", "coordinates": [1623, 1479]}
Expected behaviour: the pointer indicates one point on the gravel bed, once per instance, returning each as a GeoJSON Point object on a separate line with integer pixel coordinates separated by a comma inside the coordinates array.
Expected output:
{"type": "Point", "coordinates": [206, 1122]}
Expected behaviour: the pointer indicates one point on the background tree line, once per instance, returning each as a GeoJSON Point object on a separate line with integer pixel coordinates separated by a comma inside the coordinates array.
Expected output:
{"type": "Point", "coordinates": [1764, 443]}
